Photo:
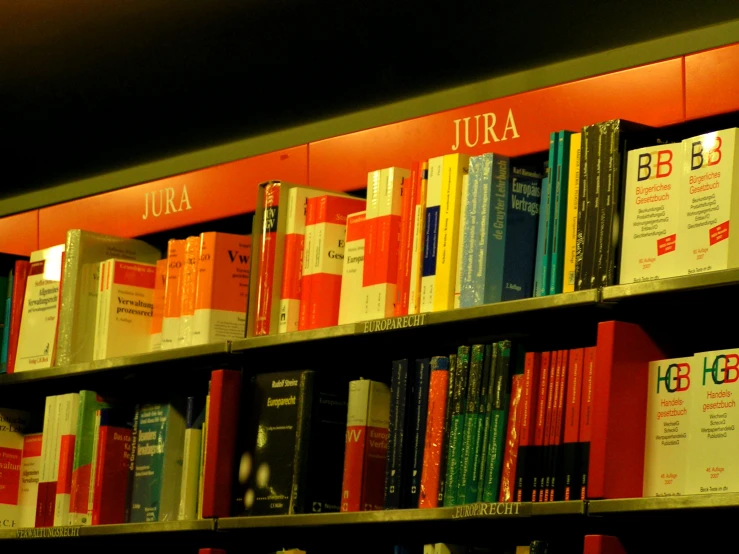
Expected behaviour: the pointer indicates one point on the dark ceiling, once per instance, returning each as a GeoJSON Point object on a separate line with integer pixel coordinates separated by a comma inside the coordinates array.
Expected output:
{"type": "Point", "coordinates": [90, 86]}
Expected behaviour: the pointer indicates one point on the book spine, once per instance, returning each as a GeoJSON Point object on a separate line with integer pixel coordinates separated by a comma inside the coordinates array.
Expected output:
{"type": "Point", "coordinates": [603, 193]}
{"type": "Point", "coordinates": [396, 435]}
{"type": "Point", "coordinates": [463, 216]}
{"type": "Point", "coordinates": [299, 493]}
{"type": "Point", "coordinates": [351, 309]}
{"type": "Point", "coordinates": [20, 280]}
{"type": "Point", "coordinates": [570, 453]}
{"type": "Point", "coordinates": [548, 217]}
{"type": "Point", "coordinates": [203, 455]}
{"type": "Point", "coordinates": [595, 175]}
{"type": "Point", "coordinates": [308, 263]}
{"type": "Point", "coordinates": [372, 210]}
{"type": "Point", "coordinates": [512, 441]}
{"type": "Point", "coordinates": [6, 325]}
{"type": "Point", "coordinates": [355, 453]}
{"type": "Point", "coordinates": [548, 425]}
{"type": "Point", "coordinates": [540, 426]}
{"type": "Point", "coordinates": [111, 476]}
{"type": "Point", "coordinates": [267, 252]}
{"type": "Point", "coordinates": [291, 268]}
{"type": "Point", "coordinates": [158, 303]}
{"type": "Point", "coordinates": [373, 474]}
{"type": "Point", "coordinates": [30, 476]}
{"type": "Point", "coordinates": [498, 423]}
{"type": "Point", "coordinates": [456, 430]}
{"type": "Point", "coordinates": [417, 436]}
{"type": "Point", "coordinates": [559, 227]}
{"type": "Point", "coordinates": [405, 249]}
{"type": "Point", "coordinates": [586, 419]}
{"type": "Point", "coordinates": [486, 415]}
{"type": "Point", "coordinates": [189, 278]}
{"type": "Point", "coordinates": [92, 499]}
{"type": "Point", "coordinates": [466, 487]}
{"type": "Point", "coordinates": [557, 458]}
{"type": "Point", "coordinates": [173, 293]}
{"type": "Point", "coordinates": [524, 466]}
{"type": "Point", "coordinates": [541, 238]}
{"type": "Point", "coordinates": [431, 230]}
{"type": "Point", "coordinates": [496, 228]}
{"type": "Point", "coordinates": [132, 463]}
{"type": "Point", "coordinates": [614, 209]}
{"type": "Point", "coordinates": [434, 441]}
{"type": "Point", "coordinates": [419, 215]}
{"type": "Point", "coordinates": [469, 292]}
{"type": "Point", "coordinates": [477, 237]}
{"type": "Point", "coordinates": [68, 436]}
{"type": "Point", "coordinates": [581, 243]}
{"type": "Point", "coordinates": [573, 200]}
{"type": "Point", "coordinates": [452, 360]}
{"type": "Point", "coordinates": [190, 486]}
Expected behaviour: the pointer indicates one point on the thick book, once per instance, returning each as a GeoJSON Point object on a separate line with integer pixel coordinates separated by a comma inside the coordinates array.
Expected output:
{"type": "Point", "coordinates": [78, 308]}
{"type": "Point", "coordinates": [189, 285]}
{"type": "Point", "coordinates": [485, 409]}
{"type": "Point", "coordinates": [651, 213]}
{"type": "Point", "coordinates": [158, 463]}
{"type": "Point", "coordinates": [573, 199]}
{"type": "Point", "coordinates": [160, 283]}
{"type": "Point", "coordinates": [419, 223]}
{"type": "Point", "coordinates": [456, 422]}
{"type": "Point", "coordinates": [29, 480]}
{"type": "Point", "coordinates": [670, 424]}
{"type": "Point", "coordinates": [712, 430]}
{"type": "Point", "coordinates": [409, 191]}
{"type": "Point", "coordinates": [125, 307]}
{"type": "Point", "coordinates": [499, 412]}
{"type": "Point", "coordinates": [431, 233]}
{"type": "Point", "coordinates": [467, 484]}
{"type": "Point", "coordinates": [222, 288]}
{"type": "Point", "coordinates": [585, 244]}
{"type": "Point", "coordinates": [40, 311]}
{"type": "Point", "coordinates": [559, 221]}
{"type": "Point", "coordinates": [366, 446]}
{"type": "Point", "coordinates": [351, 307]}
{"type": "Point", "coordinates": [620, 388]}
{"type": "Point", "coordinates": [397, 435]}
{"type": "Point", "coordinates": [524, 464]}
{"type": "Point", "coordinates": [568, 485]}
{"type": "Point", "coordinates": [84, 454]}
{"type": "Point", "coordinates": [434, 441]}
{"type": "Point", "coordinates": [416, 433]}
{"type": "Point", "coordinates": [67, 415]}
{"type": "Point", "coordinates": [20, 281]}
{"type": "Point", "coordinates": [13, 426]}
{"type": "Point", "coordinates": [191, 462]}
{"type": "Point", "coordinates": [173, 294]}
{"type": "Point", "coordinates": [111, 468]}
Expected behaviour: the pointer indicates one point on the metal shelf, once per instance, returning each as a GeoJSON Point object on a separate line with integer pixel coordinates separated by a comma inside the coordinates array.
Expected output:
{"type": "Point", "coordinates": [684, 283]}
{"type": "Point", "coordinates": [663, 503]}
{"type": "Point", "coordinates": [206, 525]}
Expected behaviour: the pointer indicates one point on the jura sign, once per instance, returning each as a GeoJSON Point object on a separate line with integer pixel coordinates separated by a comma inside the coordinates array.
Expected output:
{"type": "Point", "coordinates": [468, 131]}
{"type": "Point", "coordinates": [162, 202]}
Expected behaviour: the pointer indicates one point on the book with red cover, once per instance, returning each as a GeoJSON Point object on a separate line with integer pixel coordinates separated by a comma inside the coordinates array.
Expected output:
{"type": "Point", "coordinates": [540, 426]}
{"type": "Point", "coordinates": [524, 464]}
{"type": "Point", "coordinates": [111, 469]}
{"type": "Point", "coordinates": [557, 428]}
{"type": "Point", "coordinates": [20, 279]}
{"type": "Point", "coordinates": [570, 453]}
{"type": "Point", "coordinates": [434, 441]}
{"type": "Point", "coordinates": [620, 385]}
{"type": "Point", "coordinates": [306, 279]}
{"type": "Point", "coordinates": [510, 453]}
{"type": "Point", "coordinates": [267, 251]}
{"type": "Point", "coordinates": [586, 419]}
{"type": "Point", "coordinates": [220, 444]}
{"type": "Point", "coordinates": [410, 189]}
{"type": "Point", "coordinates": [545, 478]}
{"type": "Point", "coordinates": [602, 544]}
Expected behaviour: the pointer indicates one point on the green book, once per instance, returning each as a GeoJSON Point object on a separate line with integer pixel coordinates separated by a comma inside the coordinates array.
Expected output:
{"type": "Point", "coordinates": [490, 364]}
{"type": "Point", "coordinates": [497, 424]}
{"type": "Point", "coordinates": [466, 484]}
{"type": "Point", "coordinates": [454, 452]}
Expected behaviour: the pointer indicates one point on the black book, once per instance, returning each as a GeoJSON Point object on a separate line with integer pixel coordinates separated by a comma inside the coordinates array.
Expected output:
{"type": "Point", "coordinates": [416, 433]}
{"type": "Point", "coordinates": [396, 435]}
{"type": "Point", "coordinates": [452, 361]}
{"type": "Point", "coordinates": [539, 547]}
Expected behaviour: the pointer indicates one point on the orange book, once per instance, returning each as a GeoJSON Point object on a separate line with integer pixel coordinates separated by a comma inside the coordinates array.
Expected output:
{"type": "Point", "coordinates": [510, 453]}
{"type": "Point", "coordinates": [222, 291]}
{"type": "Point", "coordinates": [541, 412]}
{"type": "Point", "coordinates": [409, 190]}
{"type": "Point", "coordinates": [160, 282]}
{"type": "Point", "coordinates": [555, 487]}
{"type": "Point", "coordinates": [434, 446]}
{"type": "Point", "coordinates": [327, 254]}
{"type": "Point", "coordinates": [172, 294]}
{"type": "Point", "coordinates": [554, 374]}
{"type": "Point", "coordinates": [525, 461]}
{"type": "Point", "coordinates": [189, 287]}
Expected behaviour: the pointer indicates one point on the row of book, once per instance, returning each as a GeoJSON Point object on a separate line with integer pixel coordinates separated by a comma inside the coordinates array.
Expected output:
{"type": "Point", "coordinates": [99, 296]}
{"type": "Point", "coordinates": [98, 461]}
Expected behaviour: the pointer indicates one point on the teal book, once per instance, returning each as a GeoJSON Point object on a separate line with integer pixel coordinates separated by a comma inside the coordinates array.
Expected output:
{"type": "Point", "coordinates": [559, 226]}
{"type": "Point", "coordinates": [7, 303]}
{"type": "Point", "coordinates": [480, 171]}
{"type": "Point", "coordinates": [547, 219]}
{"type": "Point", "coordinates": [541, 277]}
{"type": "Point", "coordinates": [498, 423]}
{"type": "Point", "coordinates": [490, 363]}
{"type": "Point", "coordinates": [467, 486]}
{"type": "Point", "coordinates": [456, 430]}
{"type": "Point", "coordinates": [158, 464]}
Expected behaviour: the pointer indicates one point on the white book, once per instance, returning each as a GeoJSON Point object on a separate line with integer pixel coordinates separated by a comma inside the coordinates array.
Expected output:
{"type": "Point", "coordinates": [93, 465]}
{"type": "Point", "coordinates": [68, 413]}
{"type": "Point", "coordinates": [189, 291]}
{"type": "Point", "coordinates": [419, 219]}
{"type": "Point", "coordinates": [433, 208]}
{"type": "Point", "coordinates": [48, 447]}
{"type": "Point", "coordinates": [708, 203]}
{"type": "Point", "coordinates": [37, 335]}
{"type": "Point", "coordinates": [460, 250]}
{"type": "Point", "coordinates": [668, 430]}
{"type": "Point", "coordinates": [30, 476]}
{"type": "Point", "coordinates": [651, 246]}
{"type": "Point", "coordinates": [714, 441]}
{"type": "Point", "coordinates": [78, 310]}
{"type": "Point", "coordinates": [125, 309]}
{"type": "Point", "coordinates": [158, 301]}
{"type": "Point", "coordinates": [350, 307]}
{"type": "Point", "coordinates": [172, 294]}
{"type": "Point", "coordinates": [13, 424]}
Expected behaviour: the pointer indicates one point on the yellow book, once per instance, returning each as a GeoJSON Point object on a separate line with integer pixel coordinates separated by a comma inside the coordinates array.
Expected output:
{"type": "Point", "coordinates": [455, 166]}
{"type": "Point", "coordinates": [573, 195]}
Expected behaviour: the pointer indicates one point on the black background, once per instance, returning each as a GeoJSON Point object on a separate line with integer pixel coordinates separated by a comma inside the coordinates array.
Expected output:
{"type": "Point", "coordinates": [88, 86]}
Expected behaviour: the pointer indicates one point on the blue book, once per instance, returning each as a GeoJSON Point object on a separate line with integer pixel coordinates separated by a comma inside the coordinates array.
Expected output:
{"type": "Point", "coordinates": [559, 227]}
{"type": "Point", "coordinates": [7, 303]}
{"type": "Point", "coordinates": [522, 221]}
{"type": "Point", "coordinates": [539, 275]}
{"type": "Point", "coordinates": [396, 435]}
{"type": "Point", "coordinates": [416, 432]}
{"type": "Point", "coordinates": [547, 220]}
{"type": "Point", "coordinates": [431, 232]}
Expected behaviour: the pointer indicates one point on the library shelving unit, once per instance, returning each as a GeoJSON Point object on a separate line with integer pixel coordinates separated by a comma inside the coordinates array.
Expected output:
{"type": "Point", "coordinates": [687, 80]}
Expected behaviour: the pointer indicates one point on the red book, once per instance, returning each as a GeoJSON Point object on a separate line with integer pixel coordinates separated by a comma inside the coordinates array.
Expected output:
{"type": "Point", "coordinates": [602, 544]}
{"type": "Point", "coordinates": [434, 442]}
{"type": "Point", "coordinates": [409, 191]}
{"type": "Point", "coordinates": [363, 486]}
{"type": "Point", "coordinates": [370, 275]}
{"type": "Point", "coordinates": [571, 432]}
{"type": "Point", "coordinates": [548, 414]}
{"type": "Point", "coordinates": [586, 417]}
{"type": "Point", "coordinates": [111, 472]}
{"type": "Point", "coordinates": [263, 312]}
{"type": "Point", "coordinates": [20, 279]}
{"type": "Point", "coordinates": [620, 386]}
{"type": "Point", "coordinates": [510, 453]}
{"type": "Point", "coordinates": [557, 428]}
{"type": "Point", "coordinates": [306, 280]}
{"type": "Point", "coordinates": [220, 444]}
{"type": "Point", "coordinates": [541, 413]}
{"type": "Point", "coordinates": [524, 466]}
{"type": "Point", "coordinates": [327, 257]}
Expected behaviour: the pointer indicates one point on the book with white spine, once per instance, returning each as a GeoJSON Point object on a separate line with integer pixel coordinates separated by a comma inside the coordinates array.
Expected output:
{"type": "Point", "coordinates": [13, 425]}
{"type": "Point", "coordinates": [350, 306]}
{"type": "Point", "coordinates": [431, 226]}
